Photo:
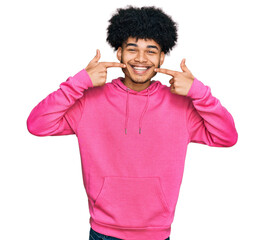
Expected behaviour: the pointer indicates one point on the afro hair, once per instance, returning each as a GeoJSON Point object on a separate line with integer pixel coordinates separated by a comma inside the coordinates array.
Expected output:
{"type": "Point", "coordinates": [142, 23]}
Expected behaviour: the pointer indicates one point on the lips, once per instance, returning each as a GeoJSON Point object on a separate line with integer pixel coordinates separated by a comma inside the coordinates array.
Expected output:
{"type": "Point", "coordinates": [140, 69]}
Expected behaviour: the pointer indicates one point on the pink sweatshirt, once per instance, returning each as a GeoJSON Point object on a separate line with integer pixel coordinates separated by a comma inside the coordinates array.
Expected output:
{"type": "Point", "coordinates": [133, 147]}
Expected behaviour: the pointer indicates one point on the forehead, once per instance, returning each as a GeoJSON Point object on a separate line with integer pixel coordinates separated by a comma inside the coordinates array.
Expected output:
{"type": "Point", "coordinates": [144, 43]}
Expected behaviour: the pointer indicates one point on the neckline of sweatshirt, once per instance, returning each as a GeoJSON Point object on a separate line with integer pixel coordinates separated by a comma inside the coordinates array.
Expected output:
{"type": "Point", "coordinates": [151, 89]}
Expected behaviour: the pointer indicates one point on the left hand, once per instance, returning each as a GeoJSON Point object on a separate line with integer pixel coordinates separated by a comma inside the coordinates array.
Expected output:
{"type": "Point", "coordinates": [181, 82]}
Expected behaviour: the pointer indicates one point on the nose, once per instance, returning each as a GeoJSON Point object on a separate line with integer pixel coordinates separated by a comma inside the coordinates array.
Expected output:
{"type": "Point", "coordinates": [140, 57]}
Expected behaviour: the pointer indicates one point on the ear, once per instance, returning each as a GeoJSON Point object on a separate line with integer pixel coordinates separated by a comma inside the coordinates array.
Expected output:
{"type": "Point", "coordinates": [162, 58]}
{"type": "Point", "coordinates": [119, 54]}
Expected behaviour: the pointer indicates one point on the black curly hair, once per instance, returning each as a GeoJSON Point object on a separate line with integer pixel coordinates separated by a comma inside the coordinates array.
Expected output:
{"type": "Point", "coordinates": [142, 23]}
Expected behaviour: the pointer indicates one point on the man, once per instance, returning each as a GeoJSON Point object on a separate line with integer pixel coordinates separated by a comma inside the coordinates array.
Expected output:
{"type": "Point", "coordinates": [133, 132]}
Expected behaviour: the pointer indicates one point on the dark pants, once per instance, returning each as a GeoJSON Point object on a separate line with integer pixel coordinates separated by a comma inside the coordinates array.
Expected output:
{"type": "Point", "coordinates": [98, 236]}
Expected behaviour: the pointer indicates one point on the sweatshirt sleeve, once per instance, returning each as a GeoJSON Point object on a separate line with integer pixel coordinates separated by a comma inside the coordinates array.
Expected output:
{"type": "Point", "coordinates": [60, 112]}
{"type": "Point", "coordinates": [208, 122]}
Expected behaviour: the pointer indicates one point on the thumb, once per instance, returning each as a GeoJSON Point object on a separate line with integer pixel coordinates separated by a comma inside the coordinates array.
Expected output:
{"type": "Point", "coordinates": [183, 66]}
{"type": "Point", "coordinates": [97, 56]}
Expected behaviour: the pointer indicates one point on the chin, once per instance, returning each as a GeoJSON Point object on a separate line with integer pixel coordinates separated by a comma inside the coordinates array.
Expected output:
{"type": "Point", "coordinates": [143, 78]}
{"type": "Point", "coordinates": [139, 79]}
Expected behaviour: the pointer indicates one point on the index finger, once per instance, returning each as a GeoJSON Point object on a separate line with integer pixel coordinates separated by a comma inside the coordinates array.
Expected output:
{"type": "Point", "coordinates": [113, 64]}
{"type": "Point", "coordinates": [165, 71]}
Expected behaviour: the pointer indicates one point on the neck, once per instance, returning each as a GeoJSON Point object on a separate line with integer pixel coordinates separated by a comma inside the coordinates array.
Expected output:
{"type": "Point", "coordinates": [136, 86]}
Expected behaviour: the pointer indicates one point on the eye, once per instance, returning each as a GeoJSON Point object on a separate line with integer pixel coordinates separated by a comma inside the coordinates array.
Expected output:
{"type": "Point", "coordinates": [151, 52]}
{"type": "Point", "coordinates": [131, 50]}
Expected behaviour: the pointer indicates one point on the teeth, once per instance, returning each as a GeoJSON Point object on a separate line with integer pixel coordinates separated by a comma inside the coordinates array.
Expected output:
{"type": "Point", "coordinates": [140, 68]}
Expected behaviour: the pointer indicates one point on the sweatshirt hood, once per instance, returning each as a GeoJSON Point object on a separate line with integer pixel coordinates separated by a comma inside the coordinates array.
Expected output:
{"type": "Point", "coordinates": [151, 89]}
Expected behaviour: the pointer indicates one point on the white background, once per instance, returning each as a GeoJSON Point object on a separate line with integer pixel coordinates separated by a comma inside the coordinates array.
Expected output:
{"type": "Point", "coordinates": [45, 42]}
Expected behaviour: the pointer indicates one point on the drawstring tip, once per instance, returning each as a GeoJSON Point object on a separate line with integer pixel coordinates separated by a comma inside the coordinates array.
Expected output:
{"type": "Point", "coordinates": [126, 131]}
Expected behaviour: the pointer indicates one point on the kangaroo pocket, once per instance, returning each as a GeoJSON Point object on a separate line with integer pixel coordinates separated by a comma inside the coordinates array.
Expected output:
{"type": "Point", "coordinates": [132, 203]}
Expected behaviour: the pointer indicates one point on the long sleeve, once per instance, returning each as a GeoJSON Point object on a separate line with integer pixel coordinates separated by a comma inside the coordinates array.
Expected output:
{"type": "Point", "coordinates": [60, 112]}
{"type": "Point", "coordinates": [208, 122]}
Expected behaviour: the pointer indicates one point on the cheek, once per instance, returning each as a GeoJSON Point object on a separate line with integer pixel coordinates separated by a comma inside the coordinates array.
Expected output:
{"type": "Point", "coordinates": [125, 70]}
{"type": "Point", "coordinates": [155, 61]}
{"type": "Point", "coordinates": [125, 58]}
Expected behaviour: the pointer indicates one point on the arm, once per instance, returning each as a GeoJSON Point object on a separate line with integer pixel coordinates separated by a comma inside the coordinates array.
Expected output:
{"type": "Point", "coordinates": [60, 111]}
{"type": "Point", "coordinates": [208, 122]}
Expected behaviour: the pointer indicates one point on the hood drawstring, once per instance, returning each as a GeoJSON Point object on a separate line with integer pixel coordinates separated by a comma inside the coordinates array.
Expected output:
{"type": "Point", "coordinates": [142, 114]}
{"type": "Point", "coordinates": [127, 111]}
{"type": "Point", "coordinates": [118, 85]}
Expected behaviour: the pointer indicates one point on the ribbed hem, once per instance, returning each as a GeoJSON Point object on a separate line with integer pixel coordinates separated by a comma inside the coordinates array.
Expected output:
{"type": "Point", "coordinates": [153, 233]}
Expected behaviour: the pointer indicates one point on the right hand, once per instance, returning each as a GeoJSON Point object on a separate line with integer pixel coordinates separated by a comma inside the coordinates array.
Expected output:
{"type": "Point", "coordinates": [97, 71]}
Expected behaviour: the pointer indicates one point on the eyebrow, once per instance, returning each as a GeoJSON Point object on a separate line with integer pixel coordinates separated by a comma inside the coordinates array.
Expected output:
{"type": "Point", "coordinates": [135, 45]}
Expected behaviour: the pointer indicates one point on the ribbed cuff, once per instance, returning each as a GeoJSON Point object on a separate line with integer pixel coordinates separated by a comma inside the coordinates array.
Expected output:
{"type": "Point", "coordinates": [197, 90]}
{"type": "Point", "coordinates": [83, 79]}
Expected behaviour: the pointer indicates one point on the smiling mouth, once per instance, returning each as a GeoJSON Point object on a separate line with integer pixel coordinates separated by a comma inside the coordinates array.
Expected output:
{"type": "Point", "coordinates": [140, 69]}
